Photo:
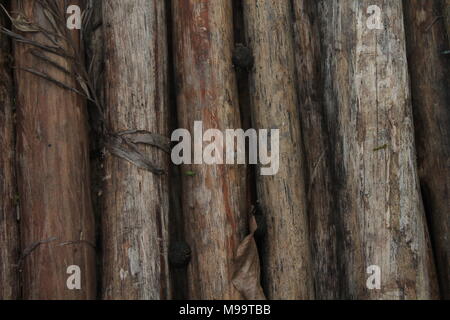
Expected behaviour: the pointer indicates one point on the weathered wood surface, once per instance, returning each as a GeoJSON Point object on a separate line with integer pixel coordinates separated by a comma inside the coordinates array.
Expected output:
{"type": "Point", "coordinates": [367, 99]}
{"type": "Point", "coordinates": [9, 239]}
{"type": "Point", "coordinates": [322, 221]}
{"type": "Point", "coordinates": [136, 202]}
{"type": "Point", "coordinates": [429, 71]}
{"type": "Point", "coordinates": [287, 272]}
{"type": "Point", "coordinates": [56, 220]}
{"type": "Point", "coordinates": [213, 199]}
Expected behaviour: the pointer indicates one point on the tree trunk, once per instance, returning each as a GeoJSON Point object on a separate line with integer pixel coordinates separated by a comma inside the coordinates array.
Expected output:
{"type": "Point", "coordinates": [286, 253]}
{"type": "Point", "coordinates": [213, 197]}
{"type": "Point", "coordinates": [367, 101]}
{"type": "Point", "coordinates": [9, 238]}
{"type": "Point", "coordinates": [136, 201]}
{"type": "Point", "coordinates": [430, 82]}
{"type": "Point", "coordinates": [322, 222]}
{"type": "Point", "coordinates": [57, 226]}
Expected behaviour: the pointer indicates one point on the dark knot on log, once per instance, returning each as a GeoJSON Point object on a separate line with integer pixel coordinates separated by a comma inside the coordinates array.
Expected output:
{"type": "Point", "coordinates": [179, 254]}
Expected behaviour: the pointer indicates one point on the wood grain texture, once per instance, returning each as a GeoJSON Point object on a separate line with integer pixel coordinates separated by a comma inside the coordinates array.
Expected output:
{"type": "Point", "coordinates": [430, 100]}
{"type": "Point", "coordinates": [213, 200]}
{"type": "Point", "coordinates": [286, 252]}
{"type": "Point", "coordinates": [9, 237]}
{"type": "Point", "coordinates": [369, 115]}
{"type": "Point", "coordinates": [136, 202]}
{"type": "Point", "coordinates": [322, 220]}
{"type": "Point", "coordinates": [56, 220]}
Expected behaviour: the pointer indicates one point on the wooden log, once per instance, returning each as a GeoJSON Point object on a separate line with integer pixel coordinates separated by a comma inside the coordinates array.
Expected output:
{"type": "Point", "coordinates": [213, 197]}
{"type": "Point", "coordinates": [9, 237]}
{"type": "Point", "coordinates": [286, 253]}
{"type": "Point", "coordinates": [136, 201]}
{"type": "Point", "coordinates": [369, 116]}
{"type": "Point", "coordinates": [322, 222]}
{"type": "Point", "coordinates": [428, 66]}
{"type": "Point", "coordinates": [56, 220]}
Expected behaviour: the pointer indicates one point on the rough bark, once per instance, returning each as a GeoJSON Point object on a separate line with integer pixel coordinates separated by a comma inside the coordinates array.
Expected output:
{"type": "Point", "coordinates": [56, 220]}
{"type": "Point", "coordinates": [322, 221]}
{"type": "Point", "coordinates": [286, 252]}
{"type": "Point", "coordinates": [9, 238]}
{"type": "Point", "coordinates": [213, 198]}
{"type": "Point", "coordinates": [367, 101]}
{"type": "Point", "coordinates": [426, 41]}
{"type": "Point", "coordinates": [136, 202]}
{"type": "Point", "coordinates": [176, 230]}
{"type": "Point", "coordinates": [244, 94]}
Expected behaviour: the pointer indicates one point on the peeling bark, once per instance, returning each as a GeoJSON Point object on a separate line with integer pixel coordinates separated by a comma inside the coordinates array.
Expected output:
{"type": "Point", "coordinates": [322, 221]}
{"type": "Point", "coordinates": [136, 202]}
{"type": "Point", "coordinates": [286, 252]}
{"type": "Point", "coordinates": [9, 237]}
{"type": "Point", "coordinates": [426, 40]}
{"type": "Point", "coordinates": [367, 102]}
{"type": "Point", "coordinates": [213, 199]}
{"type": "Point", "coordinates": [57, 226]}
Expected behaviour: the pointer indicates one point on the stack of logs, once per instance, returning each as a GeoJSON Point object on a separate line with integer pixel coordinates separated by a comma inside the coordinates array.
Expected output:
{"type": "Point", "coordinates": [364, 173]}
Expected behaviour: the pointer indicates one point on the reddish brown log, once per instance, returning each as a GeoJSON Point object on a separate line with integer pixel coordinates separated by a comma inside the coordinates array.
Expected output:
{"type": "Point", "coordinates": [57, 225]}
{"type": "Point", "coordinates": [286, 253]}
{"type": "Point", "coordinates": [214, 197]}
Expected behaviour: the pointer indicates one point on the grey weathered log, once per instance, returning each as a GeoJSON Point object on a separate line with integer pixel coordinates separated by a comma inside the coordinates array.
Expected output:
{"type": "Point", "coordinates": [322, 221]}
{"type": "Point", "coordinates": [287, 272]}
{"type": "Point", "coordinates": [136, 202]}
{"type": "Point", "coordinates": [9, 237]}
{"type": "Point", "coordinates": [213, 199]}
{"type": "Point", "coordinates": [370, 120]}
{"type": "Point", "coordinates": [56, 219]}
{"type": "Point", "coordinates": [429, 69]}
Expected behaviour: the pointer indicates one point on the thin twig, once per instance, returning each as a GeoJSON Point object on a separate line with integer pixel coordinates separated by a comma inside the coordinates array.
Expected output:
{"type": "Point", "coordinates": [32, 248]}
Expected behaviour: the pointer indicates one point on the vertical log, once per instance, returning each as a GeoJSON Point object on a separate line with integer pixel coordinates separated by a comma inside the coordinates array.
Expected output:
{"type": "Point", "coordinates": [136, 201]}
{"type": "Point", "coordinates": [426, 42]}
{"type": "Point", "coordinates": [57, 227]}
{"type": "Point", "coordinates": [367, 99]}
{"type": "Point", "coordinates": [9, 238]}
{"type": "Point", "coordinates": [213, 199]}
{"type": "Point", "coordinates": [286, 257]}
{"type": "Point", "coordinates": [322, 222]}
